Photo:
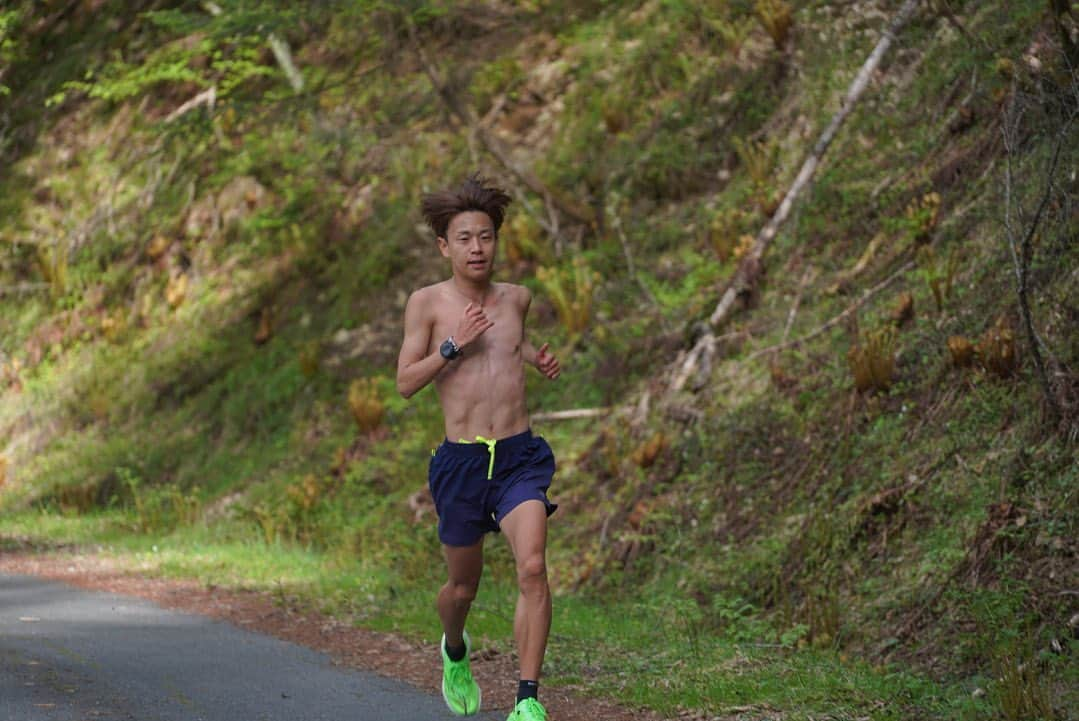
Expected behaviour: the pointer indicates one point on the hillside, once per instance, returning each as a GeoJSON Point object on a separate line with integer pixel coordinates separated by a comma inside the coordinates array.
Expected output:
{"type": "Point", "coordinates": [852, 496]}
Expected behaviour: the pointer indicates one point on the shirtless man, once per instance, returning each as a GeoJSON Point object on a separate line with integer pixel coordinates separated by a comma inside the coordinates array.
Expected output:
{"type": "Point", "coordinates": [467, 335]}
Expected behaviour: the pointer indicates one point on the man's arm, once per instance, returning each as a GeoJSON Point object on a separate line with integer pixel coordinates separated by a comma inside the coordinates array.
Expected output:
{"type": "Point", "coordinates": [415, 367]}
{"type": "Point", "coordinates": [542, 359]}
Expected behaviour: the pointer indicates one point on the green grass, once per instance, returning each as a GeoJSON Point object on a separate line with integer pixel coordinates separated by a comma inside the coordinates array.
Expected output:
{"type": "Point", "coordinates": [649, 650]}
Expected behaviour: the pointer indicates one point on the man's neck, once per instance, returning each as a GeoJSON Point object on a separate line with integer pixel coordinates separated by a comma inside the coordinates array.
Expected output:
{"type": "Point", "coordinates": [475, 292]}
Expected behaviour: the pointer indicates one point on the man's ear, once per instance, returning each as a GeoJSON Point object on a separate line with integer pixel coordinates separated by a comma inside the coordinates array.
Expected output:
{"type": "Point", "coordinates": [444, 246]}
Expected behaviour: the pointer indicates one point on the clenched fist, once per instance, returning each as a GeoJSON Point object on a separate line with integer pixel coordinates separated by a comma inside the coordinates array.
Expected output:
{"type": "Point", "coordinates": [546, 363]}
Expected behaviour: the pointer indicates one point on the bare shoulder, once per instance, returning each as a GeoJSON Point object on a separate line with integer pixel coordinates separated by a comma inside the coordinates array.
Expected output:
{"type": "Point", "coordinates": [421, 305]}
{"type": "Point", "coordinates": [520, 294]}
{"type": "Point", "coordinates": [424, 297]}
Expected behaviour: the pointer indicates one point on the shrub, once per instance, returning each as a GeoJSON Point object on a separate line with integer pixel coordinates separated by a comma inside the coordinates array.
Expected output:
{"type": "Point", "coordinates": [159, 508]}
{"type": "Point", "coordinates": [52, 262]}
{"type": "Point", "coordinates": [176, 290]}
{"type": "Point", "coordinates": [523, 242]}
{"type": "Point", "coordinates": [725, 231]}
{"type": "Point", "coordinates": [1019, 690]}
{"type": "Point", "coordinates": [777, 18]}
{"type": "Point", "coordinates": [366, 404]}
{"type": "Point", "coordinates": [571, 291]}
{"type": "Point", "coordinates": [873, 360]}
{"type": "Point", "coordinates": [939, 275]}
{"type": "Point", "coordinates": [961, 350]}
{"type": "Point", "coordinates": [903, 312]}
{"type": "Point", "coordinates": [310, 358]}
{"type": "Point", "coordinates": [923, 214]}
{"type": "Point", "coordinates": [996, 350]}
{"type": "Point", "coordinates": [759, 160]}
{"type": "Point", "coordinates": [646, 453]}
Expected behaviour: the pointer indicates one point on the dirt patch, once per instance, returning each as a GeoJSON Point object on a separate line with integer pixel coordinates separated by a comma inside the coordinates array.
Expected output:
{"type": "Point", "coordinates": [348, 646]}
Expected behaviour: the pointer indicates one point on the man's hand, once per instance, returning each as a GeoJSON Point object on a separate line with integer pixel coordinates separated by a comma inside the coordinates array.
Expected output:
{"type": "Point", "coordinates": [472, 325]}
{"type": "Point", "coordinates": [546, 363]}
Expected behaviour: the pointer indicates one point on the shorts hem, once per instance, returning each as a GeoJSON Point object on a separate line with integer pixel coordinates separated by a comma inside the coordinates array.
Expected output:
{"type": "Point", "coordinates": [551, 507]}
{"type": "Point", "coordinates": [456, 543]}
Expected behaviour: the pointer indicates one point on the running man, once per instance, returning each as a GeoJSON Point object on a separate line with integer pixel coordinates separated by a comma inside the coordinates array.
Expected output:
{"type": "Point", "coordinates": [467, 335]}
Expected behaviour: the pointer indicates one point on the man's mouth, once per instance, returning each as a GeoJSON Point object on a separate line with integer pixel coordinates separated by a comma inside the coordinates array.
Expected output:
{"type": "Point", "coordinates": [477, 263]}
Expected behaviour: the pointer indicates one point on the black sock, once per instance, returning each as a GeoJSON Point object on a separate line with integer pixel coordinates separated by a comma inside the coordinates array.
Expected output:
{"type": "Point", "coordinates": [456, 653]}
{"type": "Point", "coordinates": [527, 689]}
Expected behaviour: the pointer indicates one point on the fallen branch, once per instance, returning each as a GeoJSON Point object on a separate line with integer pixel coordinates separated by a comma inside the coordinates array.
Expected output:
{"type": "Point", "coordinates": [22, 288]}
{"type": "Point", "coordinates": [698, 361]}
{"type": "Point", "coordinates": [571, 414]}
{"type": "Point", "coordinates": [746, 276]}
{"type": "Point", "coordinates": [866, 296]}
{"type": "Point", "coordinates": [283, 56]}
{"type": "Point", "coordinates": [207, 97]}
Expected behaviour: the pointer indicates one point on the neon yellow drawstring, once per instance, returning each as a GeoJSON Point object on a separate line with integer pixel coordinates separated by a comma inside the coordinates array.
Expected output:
{"type": "Point", "coordinates": [490, 449]}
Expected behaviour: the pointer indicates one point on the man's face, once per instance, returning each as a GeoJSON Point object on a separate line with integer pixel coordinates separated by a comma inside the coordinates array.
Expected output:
{"type": "Point", "coordinates": [470, 245]}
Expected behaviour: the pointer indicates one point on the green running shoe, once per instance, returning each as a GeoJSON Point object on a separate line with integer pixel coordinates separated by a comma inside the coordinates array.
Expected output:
{"type": "Point", "coordinates": [528, 709]}
{"type": "Point", "coordinates": [459, 689]}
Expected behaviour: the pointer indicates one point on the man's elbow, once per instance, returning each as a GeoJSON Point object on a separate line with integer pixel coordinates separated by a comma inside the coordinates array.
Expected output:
{"type": "Point", "coordinates": [406, 390]}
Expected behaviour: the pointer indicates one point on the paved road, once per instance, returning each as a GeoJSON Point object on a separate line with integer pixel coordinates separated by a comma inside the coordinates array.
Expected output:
{"type": "Point", "coordinates": [73, 655]}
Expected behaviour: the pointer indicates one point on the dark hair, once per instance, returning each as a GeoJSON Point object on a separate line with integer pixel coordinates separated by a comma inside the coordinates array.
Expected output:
{"type": "Point", "coordinates": [474, 193]}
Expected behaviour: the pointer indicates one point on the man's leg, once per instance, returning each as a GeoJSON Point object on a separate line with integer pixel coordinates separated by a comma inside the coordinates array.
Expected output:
{"type": "Point", "coordinates": [525, 527]}
{"type": "Point", "coordinates": [459, 689]}
{"type": "Point", "coordinates": [465, 565]}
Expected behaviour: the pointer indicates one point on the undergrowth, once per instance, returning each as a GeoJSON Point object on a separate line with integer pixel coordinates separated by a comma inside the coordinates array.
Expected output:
{"type": "Point", "coordinates": [871, 519]}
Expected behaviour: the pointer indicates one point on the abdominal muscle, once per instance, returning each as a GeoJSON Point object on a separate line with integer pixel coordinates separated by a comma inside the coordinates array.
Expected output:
{"type": "Point", "coordinates": [480, 399]}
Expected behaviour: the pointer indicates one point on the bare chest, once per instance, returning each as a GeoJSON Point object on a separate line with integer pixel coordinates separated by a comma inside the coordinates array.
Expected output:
{"type": "Point", "coordinates": [502, 340]}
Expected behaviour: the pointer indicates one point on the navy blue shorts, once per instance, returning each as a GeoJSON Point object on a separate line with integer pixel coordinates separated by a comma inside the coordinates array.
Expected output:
{"type": "Point", "coordinates": [472, 495]}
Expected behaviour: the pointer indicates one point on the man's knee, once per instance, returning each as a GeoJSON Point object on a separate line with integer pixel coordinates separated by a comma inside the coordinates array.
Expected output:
{"type": "Point", "coordinates": [532, 571]}
{"type": "Point", "coordinates": [463, 592]}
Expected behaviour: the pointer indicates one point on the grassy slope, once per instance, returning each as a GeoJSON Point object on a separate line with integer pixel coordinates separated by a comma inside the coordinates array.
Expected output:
{"type": "Point", "coordinates": [794, 548]}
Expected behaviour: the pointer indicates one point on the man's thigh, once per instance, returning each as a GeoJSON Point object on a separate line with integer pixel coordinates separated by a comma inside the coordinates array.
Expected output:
{"type": "Point", "coordinates": [525, 527]}
{"type": "Point", "coordinates": [464, 563]}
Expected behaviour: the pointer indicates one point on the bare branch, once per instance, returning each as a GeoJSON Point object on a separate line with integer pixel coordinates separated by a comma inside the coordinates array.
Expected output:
{"type": "Point", "coordinates": [631, 266]}
{"type": "Point", "coordinates": [807, 278]}
{"type": "Point", "coordinates": [1022, 250]}
{"type": "Point", "coordinates": [866, 296]}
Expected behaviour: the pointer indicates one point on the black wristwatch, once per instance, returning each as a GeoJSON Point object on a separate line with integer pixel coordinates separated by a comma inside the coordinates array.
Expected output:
{"type": "Point", "coordinates": [449, 349]}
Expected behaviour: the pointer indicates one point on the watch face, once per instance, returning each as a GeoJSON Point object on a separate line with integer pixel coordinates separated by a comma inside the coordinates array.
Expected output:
{"type": "Point", "coordinates": [447, 350]}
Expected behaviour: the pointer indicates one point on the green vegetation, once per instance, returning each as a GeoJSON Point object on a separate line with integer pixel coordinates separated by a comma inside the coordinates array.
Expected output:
{"type": "Point", "coordinates": [202, 297]}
